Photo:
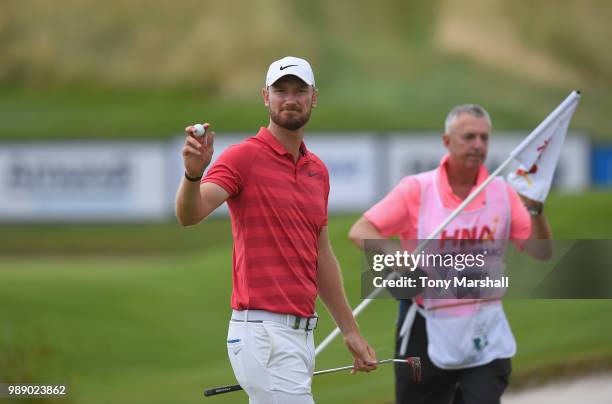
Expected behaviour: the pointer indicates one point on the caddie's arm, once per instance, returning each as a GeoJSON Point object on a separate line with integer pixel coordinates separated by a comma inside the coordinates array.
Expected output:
{"type": "Point", "coordinates": [363, 230]}
{"type": "Point", "coordinates": [331, 292]}
{"type": "Point", "coordinates": [195, 201]}
{"type": "Point", "coordinates": [539, 245]}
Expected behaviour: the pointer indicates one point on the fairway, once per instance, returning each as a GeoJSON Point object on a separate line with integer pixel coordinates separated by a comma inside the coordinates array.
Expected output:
{"type": "Point", "coordinates": [143, 320]}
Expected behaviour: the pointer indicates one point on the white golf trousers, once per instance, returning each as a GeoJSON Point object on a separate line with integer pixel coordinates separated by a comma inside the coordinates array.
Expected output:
{"type": "Point", "coordinates": [272, 362]}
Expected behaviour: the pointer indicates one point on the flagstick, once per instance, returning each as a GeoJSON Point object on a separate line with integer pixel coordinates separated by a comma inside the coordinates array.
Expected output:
{"type": "Point", "coordinates": [574, 96]}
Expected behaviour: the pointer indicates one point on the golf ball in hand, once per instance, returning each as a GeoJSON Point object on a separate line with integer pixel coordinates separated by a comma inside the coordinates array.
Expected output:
{"type": "Point", "coordinates": [199, 129]}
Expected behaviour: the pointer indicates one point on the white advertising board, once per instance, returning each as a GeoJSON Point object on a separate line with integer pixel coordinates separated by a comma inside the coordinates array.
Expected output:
{"type": "Point", "coordinates": [75, 181]}
{"type": "Point", "coordinates": [116, 181]}
{"type": "Point", "coordinates": [353, 169]}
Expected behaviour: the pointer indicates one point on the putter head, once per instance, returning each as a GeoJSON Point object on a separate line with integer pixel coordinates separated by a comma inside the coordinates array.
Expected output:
{"type": "Point", "coordinates": [415, 365]}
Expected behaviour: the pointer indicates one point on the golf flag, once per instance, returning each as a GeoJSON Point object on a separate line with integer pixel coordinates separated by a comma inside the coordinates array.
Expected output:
{"type": "Point", "coordinates": [539, 152]}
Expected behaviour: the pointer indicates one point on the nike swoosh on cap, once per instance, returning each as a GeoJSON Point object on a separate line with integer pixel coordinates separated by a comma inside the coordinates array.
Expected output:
{"type": "Point", "coordinates": [284, 67]}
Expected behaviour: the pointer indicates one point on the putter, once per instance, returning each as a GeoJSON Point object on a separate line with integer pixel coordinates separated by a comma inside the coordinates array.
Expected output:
{"type": "Point", "coordinates": [414, 362]}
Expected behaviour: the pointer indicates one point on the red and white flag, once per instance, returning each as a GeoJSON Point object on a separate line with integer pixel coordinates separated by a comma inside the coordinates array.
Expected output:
{"type": "Point", "coordinates": [539, 152]}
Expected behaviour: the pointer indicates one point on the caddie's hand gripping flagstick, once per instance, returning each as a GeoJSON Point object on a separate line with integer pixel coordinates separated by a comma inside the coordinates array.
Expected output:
{"type": "Point", "coordinates": [568, 102]}
{"type": "Point", "coordinates": [413, 362]}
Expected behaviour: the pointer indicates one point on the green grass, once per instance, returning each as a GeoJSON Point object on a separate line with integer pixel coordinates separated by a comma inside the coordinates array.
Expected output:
{"type": "Point", "coordinates": [122, 239]}
{"type": "Point", "coordinates": [137, 312]}
{"type": "Point", "coordinates": [143, 318]}
{"type": "Point", "coordinates": [570, 215]}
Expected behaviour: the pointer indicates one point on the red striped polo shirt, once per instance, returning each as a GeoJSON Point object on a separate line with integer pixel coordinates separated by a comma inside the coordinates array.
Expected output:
{"type": "Point", "coordinates": [277, 208]}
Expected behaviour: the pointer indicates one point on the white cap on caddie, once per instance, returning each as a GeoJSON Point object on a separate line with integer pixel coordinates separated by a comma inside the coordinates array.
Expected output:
{"type": "Point", "coordinates": [293, 66]}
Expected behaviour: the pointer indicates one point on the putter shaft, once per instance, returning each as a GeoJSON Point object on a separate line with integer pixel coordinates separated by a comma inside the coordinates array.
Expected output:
{"type": "Point", "coordinates": [413, 362]}
{"type": "Point", "coordinates": [350, 367]}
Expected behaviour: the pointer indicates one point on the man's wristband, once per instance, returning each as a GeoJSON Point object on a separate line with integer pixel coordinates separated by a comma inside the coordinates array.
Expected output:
{"type": "Point", "coordinates": [193, 179]}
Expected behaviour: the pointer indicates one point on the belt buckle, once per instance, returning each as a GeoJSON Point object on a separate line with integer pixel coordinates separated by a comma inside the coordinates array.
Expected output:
{"type": "Point", "coordinates": [308, 323]}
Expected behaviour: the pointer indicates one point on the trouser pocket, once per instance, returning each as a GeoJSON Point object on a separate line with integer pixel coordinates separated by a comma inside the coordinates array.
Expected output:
{"type": "Point", "coordinates": [249, 347]}
{"type": "Point", "coordinates": [311, 350]}
{"type": "Point", "coordinates": [235, 351]}
{"type": "Point", "coordinates": [260, 343]}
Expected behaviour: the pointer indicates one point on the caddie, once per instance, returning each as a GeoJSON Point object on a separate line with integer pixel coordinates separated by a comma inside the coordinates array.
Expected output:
{"type": "Point", "coordinates": [465, 346]}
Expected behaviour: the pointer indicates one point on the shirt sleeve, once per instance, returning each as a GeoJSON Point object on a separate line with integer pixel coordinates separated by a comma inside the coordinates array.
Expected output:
{"type": "Point", "coordinates": [394, 214]}
{"type": "Point", "coordinates": [230, 170]}
{"type": "Point", "coordinates": [520, 221]}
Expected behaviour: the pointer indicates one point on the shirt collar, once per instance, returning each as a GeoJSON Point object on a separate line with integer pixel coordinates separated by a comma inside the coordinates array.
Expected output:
{"type": "Point", "coordinates": [449, 198]}
{"type": "Point", "coordinates": [268, 138]}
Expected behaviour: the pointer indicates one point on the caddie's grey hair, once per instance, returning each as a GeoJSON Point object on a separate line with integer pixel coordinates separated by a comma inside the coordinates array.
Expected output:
{"type": "Point", "coordinates": [472, 109]}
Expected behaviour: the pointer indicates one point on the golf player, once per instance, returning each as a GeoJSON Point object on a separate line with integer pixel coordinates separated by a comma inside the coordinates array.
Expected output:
{"type": "Point", "coordinates": [466, 351]}
{"type": "Point", "coordinates": [277, 193]}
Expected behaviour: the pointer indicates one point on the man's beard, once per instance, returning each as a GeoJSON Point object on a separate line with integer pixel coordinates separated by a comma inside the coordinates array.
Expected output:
{"type": "Point", "coordinates": [292, 122]}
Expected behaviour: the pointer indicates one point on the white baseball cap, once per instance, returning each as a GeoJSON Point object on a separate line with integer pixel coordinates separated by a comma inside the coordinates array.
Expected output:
{"type": "Point", "coordinates": [293, 66]}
